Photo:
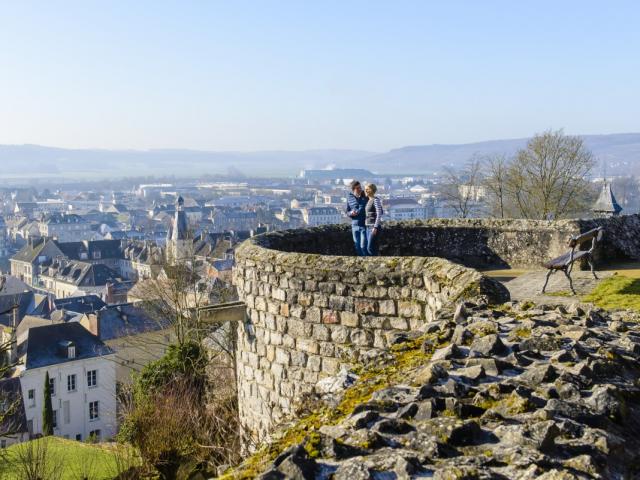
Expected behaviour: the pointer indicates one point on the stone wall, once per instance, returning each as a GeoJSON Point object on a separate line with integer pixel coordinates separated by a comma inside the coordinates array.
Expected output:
{"type": "Point", "coordinates": [308, 314]}
{"type": "Point", "coordinates": [312, 307]}
{"type": "Point", "coordinates": [476, 243]}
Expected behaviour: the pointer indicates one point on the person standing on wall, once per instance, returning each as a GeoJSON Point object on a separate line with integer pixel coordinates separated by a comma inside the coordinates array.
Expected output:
{"type": "Point", "coordinates": [373, 218]}
{"type": "Point", "coordinates": [356, 203]}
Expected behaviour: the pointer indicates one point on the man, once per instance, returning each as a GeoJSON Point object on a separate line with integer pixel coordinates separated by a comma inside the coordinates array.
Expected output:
{"type": "Point", "coordinates": [356, 204]}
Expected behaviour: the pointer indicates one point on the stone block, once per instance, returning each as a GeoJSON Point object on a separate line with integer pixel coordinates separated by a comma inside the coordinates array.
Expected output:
{"type": "Point", "coordinates": [365, 306]}
{"type": "Point", "coordinates": [336, 302]}
{"type": "Point", "coordinates": [375, 292]}
{"type": "Point", "coordinates": [314, 363]}
{"type": "Point", "coordinates": [283, 356]}
{"type": "Point", "coordinates": [409, 309]}
{"type": "Point", "coordinates": [387, 307]}
{"type": "Point", "coordinates": [313, 315]}
{"type": "Point", "coordinates": [320, 332]}
{"type": "Point", "coordinates": [279, 294]}
{"type": "Point", "coordinates": [330, 366]}
{"type": "Point", "coordinates": [299, 359]}
{"type": "Point", "coordinates": [339, 334]}
{"type": "Point", "coordinates": [320, 300]}
{"type": "Point", "coordinates": [326, 349]}
{"type": "Point", "coordinates": [305, 299]}
{"type": "Point", "coordinates": [307, 345]}
{"type": "Point", "coordinates": [330, 317]}
{"type": "Point", "coordinates": [327, 288]}
{"type": "Point", "coordinates": [349, 319]}
{"type": "Point", "coordinates": [399, 323]}
{"type": "Point", "coordinates": [288, 341]}
{"type": "Point", "coordinates": [361, 337]}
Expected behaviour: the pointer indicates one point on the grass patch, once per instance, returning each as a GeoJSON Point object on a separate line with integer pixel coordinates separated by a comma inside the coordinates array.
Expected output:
{"type": "Point", "coordinates": [74, 460]}
{"type": "Point", "coordinates": [617, 292]}
{"type": "Point", "coordinates": [560, 293]}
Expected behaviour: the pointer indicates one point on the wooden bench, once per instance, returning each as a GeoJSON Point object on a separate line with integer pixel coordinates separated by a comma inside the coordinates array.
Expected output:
{"type": "Point", "coordinates": [565, 261]}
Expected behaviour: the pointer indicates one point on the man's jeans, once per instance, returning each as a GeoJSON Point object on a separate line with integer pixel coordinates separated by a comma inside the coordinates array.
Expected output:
{"type": "Point", "coordinates": [360, 239]}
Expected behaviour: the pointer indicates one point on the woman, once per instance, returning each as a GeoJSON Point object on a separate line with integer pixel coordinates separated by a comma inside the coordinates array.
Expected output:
{"type": "Point", "coordinates": [373, 217]}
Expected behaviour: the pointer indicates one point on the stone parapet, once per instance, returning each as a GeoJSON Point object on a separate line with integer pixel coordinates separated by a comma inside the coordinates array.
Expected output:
{"type": "Point", "coordinates": [313, 307]}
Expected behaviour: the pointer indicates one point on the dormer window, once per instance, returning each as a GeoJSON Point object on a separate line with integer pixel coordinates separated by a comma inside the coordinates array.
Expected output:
{"type": "Point", "coordinates": [67, 349]}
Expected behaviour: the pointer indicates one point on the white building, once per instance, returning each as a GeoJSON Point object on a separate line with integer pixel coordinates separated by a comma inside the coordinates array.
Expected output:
{"type": "Point", "coordinates": [82, 374]}
{"type": "Point", "coordinates": [404, 209]}
{"type": "Point", "coordinates": [65, 227]}
{"type": "Point", "coordinates": [314, 216]}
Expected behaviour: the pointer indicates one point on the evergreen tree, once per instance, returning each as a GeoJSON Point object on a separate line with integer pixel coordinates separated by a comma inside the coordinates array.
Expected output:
{"type": "Point", "coordinates": [47, 410]}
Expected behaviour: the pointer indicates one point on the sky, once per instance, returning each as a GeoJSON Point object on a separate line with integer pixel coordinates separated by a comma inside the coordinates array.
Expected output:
{"type": "Point", "coordinates": [297, 75]}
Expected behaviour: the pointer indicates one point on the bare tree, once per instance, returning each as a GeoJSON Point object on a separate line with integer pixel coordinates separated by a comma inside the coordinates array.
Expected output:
{"type": "Point", "coordinates": [179, 291]}
{"type": "Point", "coordinates": [37, 460]}
{"type": "Point", "coordinates": [497, 168]}
{"type": "Point", "coordinates": [462, 187]}
{"type": "Point", "coordinates": [548, 178]}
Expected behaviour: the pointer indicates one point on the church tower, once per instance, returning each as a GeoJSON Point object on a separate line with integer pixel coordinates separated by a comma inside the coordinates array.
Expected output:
{"type": "Point", "coordinates": [177, 236]}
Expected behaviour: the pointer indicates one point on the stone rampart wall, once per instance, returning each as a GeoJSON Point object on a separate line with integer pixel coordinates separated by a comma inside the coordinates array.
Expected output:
{"type": "Point", "coordinates": [312, 306]}
{"type": "Point", "coordinates": [308, 314]}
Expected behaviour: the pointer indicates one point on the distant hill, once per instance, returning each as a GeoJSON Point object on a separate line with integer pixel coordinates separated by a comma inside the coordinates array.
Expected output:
{"type": "Point", "coordinates": [621, 151]}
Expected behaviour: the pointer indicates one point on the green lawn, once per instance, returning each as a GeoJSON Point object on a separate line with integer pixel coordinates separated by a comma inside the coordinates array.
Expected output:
{"type": "Point", "coordinates": [72, 460]}
{"type": "Point", "coordinates": [622, 291]}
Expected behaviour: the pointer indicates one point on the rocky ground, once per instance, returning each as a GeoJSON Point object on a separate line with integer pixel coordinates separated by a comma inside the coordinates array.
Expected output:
{"type": "Point", "coordinates": [516, 392]}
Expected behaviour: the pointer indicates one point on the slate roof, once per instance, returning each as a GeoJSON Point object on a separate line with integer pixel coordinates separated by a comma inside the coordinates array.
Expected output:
{"type": "Point", "coordinates": [223, 265]}
{"type": "Point", "coordinates": [81, 274]}
{"type": "Point", "coordinates": [82, 304]}
{"type": "Point", "coordinates": [11, 395]}
{"type": "Point", "coordinates": [116, 321]}
{"type": "Point", "coordinates": [31, 250]}
{"type": "Point", "coordinates": [13, 285]}
{"type": "Point", "coordinates": [43, 344]}
{"type": "Point", "coordinates": [607, 202]}
{"type": "Point", "coordinates": [105, 248]}
{"type": "Point", "coordinates": [62, 218]}
{"type": "Point", "coordinates": [25, 302]}
{"type": "Point", "coordinates": [179, 227]}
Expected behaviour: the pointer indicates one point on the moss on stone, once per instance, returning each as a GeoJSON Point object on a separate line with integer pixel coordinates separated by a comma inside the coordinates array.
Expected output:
{"type": "Point", "coordinates": [371, 379]}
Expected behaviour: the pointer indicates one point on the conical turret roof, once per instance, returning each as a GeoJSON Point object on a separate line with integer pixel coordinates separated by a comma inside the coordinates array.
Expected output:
{"type": "Point", "coordinates": [607, 202]}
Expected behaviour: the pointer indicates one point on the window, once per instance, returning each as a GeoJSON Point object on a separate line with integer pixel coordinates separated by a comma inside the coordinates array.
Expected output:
{"type": "Point", "coordinates": [94, 412]}
{"type": "Point", "coordinates": [66, 412]}
{"type": "Point", "coordinates": [94, 435]}
{"type": "Point", "coordinates": [52, 386]}
{"type": "Point", "coordinates": [55, 419]}
{"type": "Point", "coordinates": [92, 378]}
{"type": "Point", "coordinates": [31, 395]}
{"type": "Point", "coordinates": [79, 437]}
{"type": "Point", "coordinates": [72, 350]}
{"type": "Point", "coordinates": [71, 383]}
{"type": "Point", "coordinates": [3, 444]}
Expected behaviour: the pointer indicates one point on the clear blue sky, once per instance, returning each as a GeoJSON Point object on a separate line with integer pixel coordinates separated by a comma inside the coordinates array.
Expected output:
{"type": "Point", "coordinates": [372, 75]}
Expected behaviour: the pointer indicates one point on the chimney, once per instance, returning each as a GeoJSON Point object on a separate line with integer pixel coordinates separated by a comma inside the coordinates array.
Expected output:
{"type": "Point", "coordinates": [93, 323]}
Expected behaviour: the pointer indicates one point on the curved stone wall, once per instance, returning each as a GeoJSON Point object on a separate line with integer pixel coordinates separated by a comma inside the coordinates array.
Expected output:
{"type": "Point", "coordinates": [307, 314]}
{"type": "Point", "coordinates": [312, 306]}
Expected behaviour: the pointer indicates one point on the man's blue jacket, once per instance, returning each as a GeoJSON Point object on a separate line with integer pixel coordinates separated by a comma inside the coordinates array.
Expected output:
{"type": "Point", "coordinates": [357, 204]}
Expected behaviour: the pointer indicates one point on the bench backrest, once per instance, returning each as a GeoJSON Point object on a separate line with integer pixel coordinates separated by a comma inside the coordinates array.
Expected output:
{"type": "Point", "coordinates": [594, 235]}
